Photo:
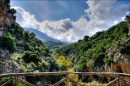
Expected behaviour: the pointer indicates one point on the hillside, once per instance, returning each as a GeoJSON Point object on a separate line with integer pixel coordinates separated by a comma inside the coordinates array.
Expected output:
{"type": "Point", "coordinates": [98, 52]}
{"type": "Point", "coordinates": [54, 45]}
{"type": "Point", "coordinates": [21, 51]}
{"type": "Point", "coordinates": [51, 43]}
{"type": "Point", "coordinates": [40, 35]}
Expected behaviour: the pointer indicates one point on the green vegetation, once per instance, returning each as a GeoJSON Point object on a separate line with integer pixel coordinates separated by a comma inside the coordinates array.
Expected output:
{"type": "Point", "coordinates": [27, 52]}
{"type": "Point", "coordinates": [64, 63]}
{"type": "Point", "coordinates": [5, 79]}
{"type": "Point", "coordinates": [92, 51]}
{"type": "Point", "coordinates": [128, 18]}
{"type": "Point", "coordinates": [54, 45]}
{"type": "Point", "coordinates": [7, 41]}
{"type": "Point", "coordinates": [12, 11]}
{"type": "Point", "coordinates": [108, 60]}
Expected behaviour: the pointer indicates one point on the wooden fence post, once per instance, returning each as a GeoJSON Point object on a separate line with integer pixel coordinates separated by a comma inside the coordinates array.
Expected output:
{"type": "Point", "coordinates": [119, 80]}
{"type": "Point", "coordinates": [67, 80]}
{"type": "Point", "coordinates": [16, 80]}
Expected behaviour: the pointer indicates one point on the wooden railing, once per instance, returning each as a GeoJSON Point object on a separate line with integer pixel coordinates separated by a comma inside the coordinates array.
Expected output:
{"type": "Point", "coordinates": [120, 78]}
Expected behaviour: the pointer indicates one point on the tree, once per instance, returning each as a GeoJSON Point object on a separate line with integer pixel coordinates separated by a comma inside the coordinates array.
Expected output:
{"type": "Point", "coordinates": [31, 57]}
{"type": "Point", "coordinates": [128, 18]}
{"type": "Point", "coordinates": [64, 63]}
{"type": "Point", "coordinates": [86, 38]}
{"type": "Point", "coordinates": [12, 11]}
{"type": "Point", "coordinates": [8, 42]}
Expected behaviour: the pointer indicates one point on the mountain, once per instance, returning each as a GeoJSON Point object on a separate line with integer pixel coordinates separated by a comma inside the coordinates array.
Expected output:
{"type": "Point", "coordinates": [24, 53]}
{"type": "Point", "coordinates": [21, 51]}
{"type": "Point", "coordinates": [42, 36]}
{"type": "Point", "coordinates": [104, 51]}
{"type": "Point", "coordinates": [51, 43]}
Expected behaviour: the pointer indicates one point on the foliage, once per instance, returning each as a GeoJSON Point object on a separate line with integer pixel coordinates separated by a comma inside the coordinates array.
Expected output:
{"type": "Point", "coordinates": [94, 48]}
{"type": "Point", "coordinates": [53, 66]}
{"type": "Point", "coordinates": [7, 41]}
{"type": "Point", "coordinates": [123, 46]}
{"type": "Point", "coordinates": [7, 1]}
{"type": "Point", "coordinates": [20, 84]}
{"type": "Point", "coordinates": [12, 11]}
{"type": "Point", "coordinates": [31, 67]}
{"type": "Point", "coordinates": [94, 83]}
{"type": "Point", "coordinates": [128, 18]}
{"type": "Point", "coordinates": [108, 60]}
{"type": "Point", "coordinates": [32, 50]}
{"type": "Point", "coordinates": [54, 45]}
{"type": "Point", "coordinates": [73, 76]}
{"type": "Point", "coordinates": [34, 56]}
{"type": "Point", "coordinates": [5, 79]}
{"type": "Point", "coordinates": [31, 57]}
{"type": "Point", "coordinates": [64, 63]}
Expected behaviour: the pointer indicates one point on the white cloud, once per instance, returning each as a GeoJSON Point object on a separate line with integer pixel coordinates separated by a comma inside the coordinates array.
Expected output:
{"type": "Point", "coordinates": [64, 29]}
{"type": "Point", "coordinates": [102, 15]}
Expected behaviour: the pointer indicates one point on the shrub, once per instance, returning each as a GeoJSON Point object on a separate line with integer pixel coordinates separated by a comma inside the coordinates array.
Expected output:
{"type": "Point", "coordinates": [44, 53]}
{"type": "Point", "coordinates": [108, 60]}
{"type": "Point", "coordinates": [12, 11]}
{"type": "Point", "coordinates": [8, 42]}
{"type": "Point", "coordinates": [31, 57]}
{"type": "Point", "coordinates": [27, 46]}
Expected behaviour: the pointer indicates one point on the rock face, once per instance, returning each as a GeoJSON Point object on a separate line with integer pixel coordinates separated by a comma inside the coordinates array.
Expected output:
{"type": "Point", "coordinates": [7, 65]}
{"type": "Point", "coordinates": [7, 16]}
{"type": "Point", "coordinates": [121, 60]}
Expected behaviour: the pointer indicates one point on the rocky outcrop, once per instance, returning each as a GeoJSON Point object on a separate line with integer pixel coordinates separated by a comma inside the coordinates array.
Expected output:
{"type": "Point", "coordinates": [7, 63]}
{"type": "Point", "coordinates": [7, 16]}
{"type": "Point", "coordinates": [121, 61]}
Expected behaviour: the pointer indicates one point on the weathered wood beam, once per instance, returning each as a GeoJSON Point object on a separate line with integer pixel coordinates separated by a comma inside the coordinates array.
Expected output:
{"type": "Point", "coordinates": [59, 82]}
{"type": "Point", "coordinates": [71, 79]}
{"type": "Point", "coordinates": [63, 73]}
{"type": "Point", "coordinates": [110, 83]}
{"type": "Point", "coordinates": [25, 82]}
{"type": "Point", "coordinates": [9, 81]}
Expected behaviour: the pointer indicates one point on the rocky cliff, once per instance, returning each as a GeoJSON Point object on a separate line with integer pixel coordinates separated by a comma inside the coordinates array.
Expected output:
{"type": "Point", "coordinates": [21, 51]}
{"type": "Point", "coordinates": [120, 55]}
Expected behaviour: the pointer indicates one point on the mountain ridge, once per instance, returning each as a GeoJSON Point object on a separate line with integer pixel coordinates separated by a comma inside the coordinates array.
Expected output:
{"type": "Point", "coordinates": [91, 52]}
{"type": "Point", "coordinates": [42, 36]}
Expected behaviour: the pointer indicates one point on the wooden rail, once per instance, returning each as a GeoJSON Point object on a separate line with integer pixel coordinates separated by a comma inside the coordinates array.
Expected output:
{"type": "Point", "coordinates": [66, 79]}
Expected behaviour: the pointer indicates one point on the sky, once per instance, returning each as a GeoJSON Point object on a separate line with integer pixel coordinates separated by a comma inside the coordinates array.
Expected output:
{"type": "Point", "coordinates": [70, 20]}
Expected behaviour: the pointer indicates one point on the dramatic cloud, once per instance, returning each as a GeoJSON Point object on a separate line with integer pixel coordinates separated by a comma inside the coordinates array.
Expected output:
{"type": "Point", "coordinates": [64, 29]}
{"type": "Point", "coordinates": [102, 15]}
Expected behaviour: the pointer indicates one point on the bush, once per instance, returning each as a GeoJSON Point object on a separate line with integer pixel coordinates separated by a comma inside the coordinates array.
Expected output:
{"type": "Point", "coordinates": [27, 46]}
{"type": "Point", "coordinates": [108, 60]}
{"type": "Point", "coordinates": [8, 42]}
{"type": "Point", "coordinates": [31, 57]}
{"type": "Point", "coordinates": [12, 11]}
{"type": "Point", "coordinates": [44, 53]}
